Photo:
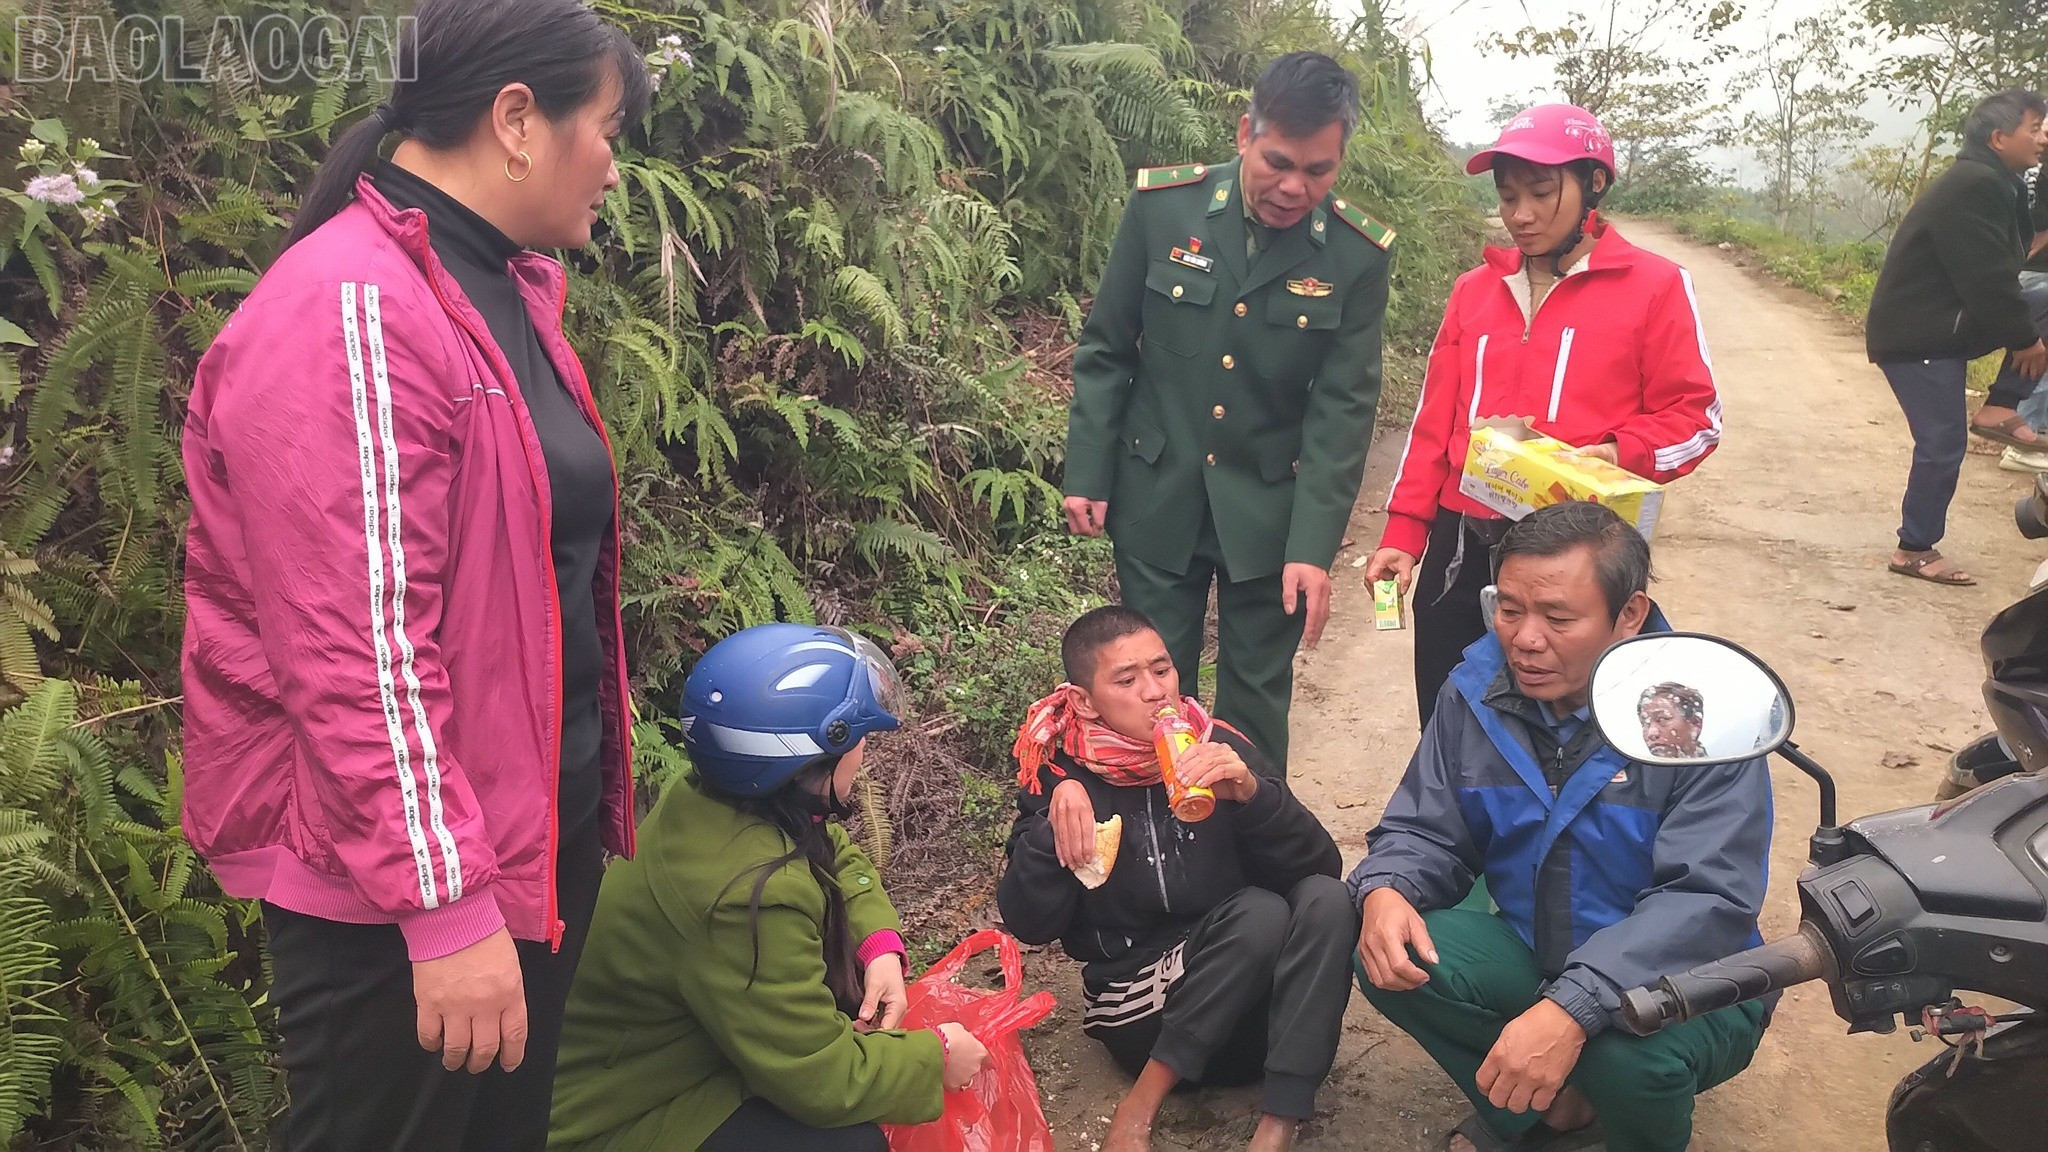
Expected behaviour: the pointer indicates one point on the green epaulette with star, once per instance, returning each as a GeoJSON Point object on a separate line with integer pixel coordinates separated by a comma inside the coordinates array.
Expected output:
{"type": "Point", "coordinates": [1368, 227]}
{"type": "Point", "coordinates": [1153, 179]}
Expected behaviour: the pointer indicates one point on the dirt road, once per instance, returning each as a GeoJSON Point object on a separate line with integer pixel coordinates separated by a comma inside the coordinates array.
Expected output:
{"type": "Point", "coordinates": [1777, 542]}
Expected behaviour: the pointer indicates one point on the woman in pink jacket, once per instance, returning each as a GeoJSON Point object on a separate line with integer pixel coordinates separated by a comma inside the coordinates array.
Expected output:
{"type": "Point", "coordinates": [405, 701]}
{"type": "Point", "coordinates": [1596, 341]}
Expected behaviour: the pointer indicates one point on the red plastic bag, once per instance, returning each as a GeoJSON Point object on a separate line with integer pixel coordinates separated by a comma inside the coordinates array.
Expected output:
{"type": "Point", "coordinates": [999, 1111]}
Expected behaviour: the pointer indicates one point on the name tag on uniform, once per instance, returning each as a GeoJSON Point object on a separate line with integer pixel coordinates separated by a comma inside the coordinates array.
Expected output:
{"type": "Point", "coordinates": [1195, 260]}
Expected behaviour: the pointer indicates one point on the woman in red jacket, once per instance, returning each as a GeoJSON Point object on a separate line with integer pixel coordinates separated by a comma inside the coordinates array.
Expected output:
{"type": "Point", "coordinates": [1598, 343]}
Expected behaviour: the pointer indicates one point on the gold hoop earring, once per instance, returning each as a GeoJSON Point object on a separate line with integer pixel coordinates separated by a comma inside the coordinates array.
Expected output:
{"type": "Point", "coordinates": [521, 178]}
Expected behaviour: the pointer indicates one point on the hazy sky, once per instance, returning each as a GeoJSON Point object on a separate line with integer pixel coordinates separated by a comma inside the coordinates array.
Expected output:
{"type": "Point", "coordinates": [1465, 81]}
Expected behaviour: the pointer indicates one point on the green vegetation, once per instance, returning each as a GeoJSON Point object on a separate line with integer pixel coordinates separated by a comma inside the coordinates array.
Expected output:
{"type": "Point", "coordinates": [828, 320]}
{"type": "Point", "coordinates": [1841, 274]}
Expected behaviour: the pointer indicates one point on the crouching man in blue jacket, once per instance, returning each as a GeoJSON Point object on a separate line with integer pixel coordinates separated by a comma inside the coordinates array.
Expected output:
{"type": "Point", "coordinates": [1608, 874]}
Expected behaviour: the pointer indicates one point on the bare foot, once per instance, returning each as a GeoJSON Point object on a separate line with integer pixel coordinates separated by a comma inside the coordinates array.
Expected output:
{"type": "Point", "coordinates": [1127, 1138]}
{"type": "Point", "coordinates": [1275, 1134]}
{"type": "Point", "coordinates": [1460, 1144]}
{"type": "Point", "coordinates": [1127, 1134]}
{"type": "Point", "coordinates": [1570, 1112]}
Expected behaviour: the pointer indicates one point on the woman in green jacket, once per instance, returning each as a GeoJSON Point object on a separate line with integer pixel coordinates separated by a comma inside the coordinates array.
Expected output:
{"type": "Point", "coordinates": [744, 974]}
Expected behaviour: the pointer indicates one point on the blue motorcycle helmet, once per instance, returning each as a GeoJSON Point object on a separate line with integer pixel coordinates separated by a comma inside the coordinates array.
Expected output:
{"type": "Point", "coordinates": [768, 700]}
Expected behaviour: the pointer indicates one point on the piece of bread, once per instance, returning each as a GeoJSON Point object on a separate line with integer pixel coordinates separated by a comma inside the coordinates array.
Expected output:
{"type": "Point", "coordinates": [1109, 836]}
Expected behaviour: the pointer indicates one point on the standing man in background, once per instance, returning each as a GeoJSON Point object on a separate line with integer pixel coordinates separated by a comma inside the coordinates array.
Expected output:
{"type": "Point", "coordinates": [1224, 391]}
{"type": "Point", "coordinates": [1949, 293]}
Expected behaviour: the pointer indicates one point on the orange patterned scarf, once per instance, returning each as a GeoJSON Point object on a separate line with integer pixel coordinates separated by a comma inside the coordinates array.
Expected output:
{"type": "Point", "coordinates": [1053, 724]}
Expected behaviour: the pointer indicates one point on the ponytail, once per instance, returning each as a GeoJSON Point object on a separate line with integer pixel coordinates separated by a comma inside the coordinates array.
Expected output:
{"type": "Point", "coordinates": [458, 55]}
{"type": "Point", "coordinates": [334, 185]}
{"type": "Point", "coordinates": [792, 810]}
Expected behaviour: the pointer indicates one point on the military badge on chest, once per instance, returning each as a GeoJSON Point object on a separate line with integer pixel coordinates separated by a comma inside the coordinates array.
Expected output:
{"type": "Point", "coordinates": [1192, 257]}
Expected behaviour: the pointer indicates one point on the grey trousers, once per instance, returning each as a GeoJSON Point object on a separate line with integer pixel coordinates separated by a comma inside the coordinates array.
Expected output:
{"type": "Point", "coordinates": [1931, 394]}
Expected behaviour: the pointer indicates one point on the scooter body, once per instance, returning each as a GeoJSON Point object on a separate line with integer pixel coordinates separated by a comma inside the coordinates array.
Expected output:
{"type": "Point", "coordinates": [1900, 910]}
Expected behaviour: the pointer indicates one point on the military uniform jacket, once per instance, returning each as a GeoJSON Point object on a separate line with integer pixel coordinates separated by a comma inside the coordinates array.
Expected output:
{"type": "Point", "coordinates": [1210, 381]}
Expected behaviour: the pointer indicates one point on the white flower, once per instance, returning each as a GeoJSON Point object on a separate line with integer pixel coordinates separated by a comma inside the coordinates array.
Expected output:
{"type": "Point", "coordinates": [93, 217]}
{"type": "Point", "coordinates": [6, 455]}
{"type": "Point", "coordinates": [86, 176]}
{"type": "Point", "coordinates": [88, 144]}
{"type": "Point", "coordinates": [670, 53]}
{"type": "Point", "coordinates": [58, 189]}
{"type": "Point", "coordinates": [940, 48]}
{"type": "Point", "coordinates": [32, 150]}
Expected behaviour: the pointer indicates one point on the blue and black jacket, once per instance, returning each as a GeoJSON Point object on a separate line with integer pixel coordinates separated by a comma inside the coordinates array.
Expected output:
{"type": "Point", "coordinates": [1614, 873]}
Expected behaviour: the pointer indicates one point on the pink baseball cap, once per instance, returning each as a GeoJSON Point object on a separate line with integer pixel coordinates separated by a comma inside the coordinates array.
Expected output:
{"type": "Point", "coordinates": [1552, 135]}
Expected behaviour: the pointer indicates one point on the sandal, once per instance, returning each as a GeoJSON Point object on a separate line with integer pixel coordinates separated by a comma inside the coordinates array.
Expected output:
{"type": "Point", "coordinates": [1918, 567]}
{"type": "Point", "coordinates": [2002, 432]}
{"type": "Point", "coordinates": [1541, 1138]}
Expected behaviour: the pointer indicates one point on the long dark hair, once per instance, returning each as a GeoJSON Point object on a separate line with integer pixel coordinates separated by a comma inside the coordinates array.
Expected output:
{"type": "Point", "coordinates": [458, 55]}
{"type": "Point", "coordinates": [793, 809]}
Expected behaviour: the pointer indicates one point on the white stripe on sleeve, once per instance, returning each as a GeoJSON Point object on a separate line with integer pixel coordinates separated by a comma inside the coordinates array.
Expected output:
{"type": "Point", "coordinates": [1421, 401]}
{"type": "Point", "coordinates": [430, 755]}
{"type": "Point", "coordinates": [1669, 459]}
{"type": "Point", "coordinates": [394, 726]}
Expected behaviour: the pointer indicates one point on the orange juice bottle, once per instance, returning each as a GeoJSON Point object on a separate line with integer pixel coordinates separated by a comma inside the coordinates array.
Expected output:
{"type": "Point", "coordinates": [1171, 736]}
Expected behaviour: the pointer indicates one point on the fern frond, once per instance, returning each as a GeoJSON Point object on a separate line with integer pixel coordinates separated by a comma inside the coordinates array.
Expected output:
{"type": "Point", "coordinates": [32, 746]}
{"type": "Point", "coordinates": [866, 296]}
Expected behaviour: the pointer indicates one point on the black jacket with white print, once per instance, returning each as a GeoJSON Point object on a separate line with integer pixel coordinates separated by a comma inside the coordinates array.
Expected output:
{"type": "Point", "coordinates": [1168, 875]}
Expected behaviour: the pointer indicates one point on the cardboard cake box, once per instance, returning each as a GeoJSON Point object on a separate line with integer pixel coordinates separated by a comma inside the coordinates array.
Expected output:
{"type": "Point", "coordinates": [1514, 470]}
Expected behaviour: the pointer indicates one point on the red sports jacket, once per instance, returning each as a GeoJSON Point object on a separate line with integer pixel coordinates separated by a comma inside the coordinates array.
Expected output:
{"type": "Point", "coordinates": [1615, 352]}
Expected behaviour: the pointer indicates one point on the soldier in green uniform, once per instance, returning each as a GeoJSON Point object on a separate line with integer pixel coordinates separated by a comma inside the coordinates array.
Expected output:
{"type": "Point", "coordinates": [1225, 387]}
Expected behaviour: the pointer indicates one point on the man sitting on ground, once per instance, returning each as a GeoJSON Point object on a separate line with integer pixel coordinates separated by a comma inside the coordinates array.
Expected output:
{"type": "Point", "coordinates": [1214, 951]}
{"type": "Point", "coordinates": [1608, 874]}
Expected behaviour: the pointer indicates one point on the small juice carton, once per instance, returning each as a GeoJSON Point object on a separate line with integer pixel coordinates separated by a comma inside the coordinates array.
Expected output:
{"type": "Point", "coordinates": [1386, 605]}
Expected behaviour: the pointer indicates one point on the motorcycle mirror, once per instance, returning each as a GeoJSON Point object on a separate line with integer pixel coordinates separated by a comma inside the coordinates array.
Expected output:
{"type": "Point", "coordinates": [1679, 699]}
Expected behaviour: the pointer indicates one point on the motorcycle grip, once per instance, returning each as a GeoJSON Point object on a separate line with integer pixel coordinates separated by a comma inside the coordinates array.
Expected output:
{"type": "Point", "coordinates": [1759, 971]}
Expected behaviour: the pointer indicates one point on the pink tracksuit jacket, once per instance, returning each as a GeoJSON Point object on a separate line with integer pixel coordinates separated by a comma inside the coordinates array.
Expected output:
{"type": "Point", "coordinates": [372, 659]}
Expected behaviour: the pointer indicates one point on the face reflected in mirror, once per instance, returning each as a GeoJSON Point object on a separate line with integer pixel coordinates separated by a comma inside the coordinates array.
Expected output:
{"type": "Point", "coordinates": [1672, 716]}
{"type": "Point", "coordinates": [1679, 700]}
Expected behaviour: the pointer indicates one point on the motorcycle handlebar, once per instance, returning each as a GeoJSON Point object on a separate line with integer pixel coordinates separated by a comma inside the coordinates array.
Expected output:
{"type": "Point", "coordinates": [1759, 971]}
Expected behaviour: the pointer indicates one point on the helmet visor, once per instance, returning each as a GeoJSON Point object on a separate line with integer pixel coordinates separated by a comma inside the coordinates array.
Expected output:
{"type": "Point", "coordinates": [885, 687]}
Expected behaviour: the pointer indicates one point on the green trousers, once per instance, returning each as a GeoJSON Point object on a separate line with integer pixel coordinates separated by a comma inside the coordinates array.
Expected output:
{"type": "Point", "coordinates": [1641, 1086]}
{"type": "Point", "coordinates": [1255, 638]}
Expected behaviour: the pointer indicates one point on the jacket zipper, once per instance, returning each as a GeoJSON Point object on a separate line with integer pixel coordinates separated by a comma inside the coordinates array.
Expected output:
{"type": "Point", "coordinates": [1536, 306]}
{"type": "Point", "coordinates": [588, 407]}
{"type": "Point", "coordinates": [1158, 854]}
{"type": "Point", "coordinates": [555, 927]}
